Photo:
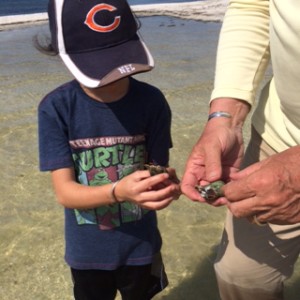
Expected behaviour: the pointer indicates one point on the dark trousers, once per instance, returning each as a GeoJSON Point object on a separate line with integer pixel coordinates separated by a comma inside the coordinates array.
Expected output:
{"type": "Point", "coordinates": [133, 282]}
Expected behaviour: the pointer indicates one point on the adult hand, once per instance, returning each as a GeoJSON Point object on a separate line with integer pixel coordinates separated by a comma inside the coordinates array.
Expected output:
{"type": "Point", "coordinates": [219, 151]}
{"type": "Point", "coordinates": [150, 192]}
{"type": "Point", "coordinates": [216, 155]}
{"type": "Point", "coordinates": [269, 190]}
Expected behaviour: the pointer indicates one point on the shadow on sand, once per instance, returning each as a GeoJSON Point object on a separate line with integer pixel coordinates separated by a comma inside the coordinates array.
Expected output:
{"type": "Point", "coordinates": [202, 285]}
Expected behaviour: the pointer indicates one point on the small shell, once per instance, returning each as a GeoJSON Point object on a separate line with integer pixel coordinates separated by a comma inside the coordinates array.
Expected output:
{"type": "Point", "coordinates": [212, 191]}
{"type": "Point", "coordinates": [155, 169]}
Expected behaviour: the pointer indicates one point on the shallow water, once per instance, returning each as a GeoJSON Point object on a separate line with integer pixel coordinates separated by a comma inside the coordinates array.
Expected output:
{"type": "Point", "coordinates": [17, 7]}
{"type": "Point", "coordinates": [31, 231]}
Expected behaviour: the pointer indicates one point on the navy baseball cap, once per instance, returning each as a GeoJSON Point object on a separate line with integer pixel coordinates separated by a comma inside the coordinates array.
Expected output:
{"type": "Point", "coordinates": [98, 40]}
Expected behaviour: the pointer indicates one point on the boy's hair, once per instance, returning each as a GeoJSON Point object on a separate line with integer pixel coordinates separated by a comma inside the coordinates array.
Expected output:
{"type": "Point", "coordinates": [97, 40]}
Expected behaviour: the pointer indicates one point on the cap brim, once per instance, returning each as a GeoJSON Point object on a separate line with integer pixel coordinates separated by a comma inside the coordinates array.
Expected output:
{"type": "Point", "coordinates": [101, 67]}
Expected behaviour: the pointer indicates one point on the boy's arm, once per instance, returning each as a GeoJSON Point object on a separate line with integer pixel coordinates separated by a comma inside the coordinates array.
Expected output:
{"type": "Point", "coordinates": [72, 194]}
{"type": "Point", "coordinates": [138, 187]}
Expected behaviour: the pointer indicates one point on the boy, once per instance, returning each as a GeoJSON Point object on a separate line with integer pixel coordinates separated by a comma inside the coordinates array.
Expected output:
{"type": "Point", "coordinates": [95, 133]}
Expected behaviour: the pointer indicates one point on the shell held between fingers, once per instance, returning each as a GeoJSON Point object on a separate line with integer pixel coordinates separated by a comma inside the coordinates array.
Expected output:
{"type": "Point", "coordinates": [212, 191]}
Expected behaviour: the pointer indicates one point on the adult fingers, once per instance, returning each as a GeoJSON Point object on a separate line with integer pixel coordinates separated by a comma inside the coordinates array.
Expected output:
{"type": "Point", "coordinates": [239, 190]}
{"type": "Point", "coordinates": [247, 207]}
{"type": "Point", "coordinates": [188, 185]}
{"type": "Point", "coordinates": [213, 164]}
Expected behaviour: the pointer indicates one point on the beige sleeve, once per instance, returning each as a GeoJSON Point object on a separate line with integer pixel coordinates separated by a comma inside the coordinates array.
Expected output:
{"type": "Point", "coordinates": [243, 50]}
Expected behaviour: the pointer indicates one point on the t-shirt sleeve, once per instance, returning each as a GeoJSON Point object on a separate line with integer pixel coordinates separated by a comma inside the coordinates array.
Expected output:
{"type": "Point", "coordinates": [54, 149]}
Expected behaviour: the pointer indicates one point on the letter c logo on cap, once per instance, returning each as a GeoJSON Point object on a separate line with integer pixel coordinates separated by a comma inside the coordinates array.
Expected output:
{"type": "Point", "coordinates": [90, 22]}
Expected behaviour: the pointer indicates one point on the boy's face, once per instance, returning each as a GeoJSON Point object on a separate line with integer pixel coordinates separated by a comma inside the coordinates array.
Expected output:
{"type": "Point", "coordinates": [110, 92]}
{"type": "Point", "coordinates": [113, 84]}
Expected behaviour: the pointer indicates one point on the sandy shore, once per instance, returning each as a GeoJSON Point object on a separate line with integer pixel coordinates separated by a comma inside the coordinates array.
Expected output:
{"type": "Point", "coordinates": [31, 222]}
{"type": "Point", "coordinates": [210, 10]}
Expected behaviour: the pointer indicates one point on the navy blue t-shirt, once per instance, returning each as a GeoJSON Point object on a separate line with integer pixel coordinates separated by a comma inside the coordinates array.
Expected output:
{"type": "Point", "coordinates": [105, 142]}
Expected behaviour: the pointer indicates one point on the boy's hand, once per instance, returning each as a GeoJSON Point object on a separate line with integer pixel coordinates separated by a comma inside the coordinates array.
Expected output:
{"type": "Point", "coordinates": [150, 192]}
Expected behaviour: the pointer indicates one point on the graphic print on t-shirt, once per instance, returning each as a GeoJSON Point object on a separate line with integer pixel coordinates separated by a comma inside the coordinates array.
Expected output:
{"type": "Point", "coordinates": [104, 160]}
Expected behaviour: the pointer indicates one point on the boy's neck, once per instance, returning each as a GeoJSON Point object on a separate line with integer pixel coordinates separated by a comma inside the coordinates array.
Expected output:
{"type": "Point", "coordinates": [109, 93]}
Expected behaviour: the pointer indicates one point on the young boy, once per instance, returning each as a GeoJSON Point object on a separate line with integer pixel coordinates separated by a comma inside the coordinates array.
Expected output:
{"type": "Point", "coordinates": [95, 134]}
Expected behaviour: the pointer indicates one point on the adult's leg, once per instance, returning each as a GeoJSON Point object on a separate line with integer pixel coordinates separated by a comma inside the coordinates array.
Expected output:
{"type": "Point", "coordinates": [253, 261]}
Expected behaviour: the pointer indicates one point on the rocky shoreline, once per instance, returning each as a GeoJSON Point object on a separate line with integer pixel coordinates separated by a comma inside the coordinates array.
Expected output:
{"type": "Point", "coordinates": [212, 10]}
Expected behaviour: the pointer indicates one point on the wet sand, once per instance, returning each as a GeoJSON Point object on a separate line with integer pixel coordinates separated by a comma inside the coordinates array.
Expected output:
{"type": "Point", "coordinates": [31, 232]}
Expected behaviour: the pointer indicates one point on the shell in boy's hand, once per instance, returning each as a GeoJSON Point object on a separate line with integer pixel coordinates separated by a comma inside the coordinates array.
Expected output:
{"type": "Point", "coordinates": [155, 169]}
